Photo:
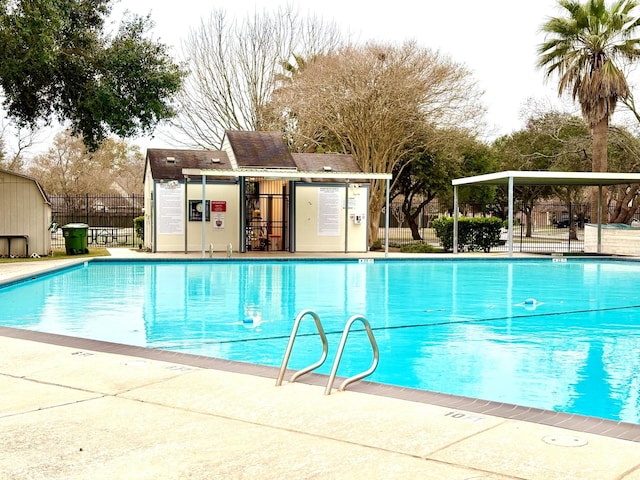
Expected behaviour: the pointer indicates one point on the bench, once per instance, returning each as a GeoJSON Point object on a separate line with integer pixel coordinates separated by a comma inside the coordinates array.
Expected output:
{"type": "Point", "coordinates": [9, 237]}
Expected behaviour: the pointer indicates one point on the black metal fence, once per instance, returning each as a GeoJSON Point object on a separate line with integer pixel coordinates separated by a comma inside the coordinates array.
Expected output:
{"type": "Point", "coordinates": [550, 227]}
{"type": "Point", "coordinates": [109, 217]}
{"type": "Point", "coordinates": [547, 228]}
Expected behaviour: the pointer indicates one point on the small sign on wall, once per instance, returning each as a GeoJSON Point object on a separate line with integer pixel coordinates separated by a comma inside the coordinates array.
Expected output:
{"type": "Point", "coordinates": [196, 210]}
{"type": "Point", "coordinates": [218, 221]}
{"type": "Point", "coordinates": [219, 206]}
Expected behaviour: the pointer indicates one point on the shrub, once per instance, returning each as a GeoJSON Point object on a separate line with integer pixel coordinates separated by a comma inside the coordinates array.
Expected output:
{"type": "Point", "coordinates": [418, 248]}
{"type": "Point", "coordinates": [138, 226]}
{"type": "Point", "coordinates": [474, 234]}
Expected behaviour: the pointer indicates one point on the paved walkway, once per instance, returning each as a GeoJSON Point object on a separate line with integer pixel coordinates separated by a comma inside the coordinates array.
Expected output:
{"type": "Point", "coordinates": [81, 413]}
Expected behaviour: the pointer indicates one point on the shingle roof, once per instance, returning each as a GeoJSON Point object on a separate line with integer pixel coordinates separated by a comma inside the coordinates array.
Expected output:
{"type": "Point", "coordinates": [316, 162]}
{"type": "Point", "coordinates": [167, 164]}
{"type": "Point", "coordinates": [260, 150]}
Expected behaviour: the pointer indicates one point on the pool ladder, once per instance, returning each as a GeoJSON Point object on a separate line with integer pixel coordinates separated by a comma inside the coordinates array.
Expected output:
{"type": "Point", "coordinates": [325, 349]}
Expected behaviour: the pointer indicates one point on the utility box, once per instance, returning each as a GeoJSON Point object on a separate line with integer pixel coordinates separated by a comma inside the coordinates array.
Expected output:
{"type": "Point", "coordinates": [75, 238]}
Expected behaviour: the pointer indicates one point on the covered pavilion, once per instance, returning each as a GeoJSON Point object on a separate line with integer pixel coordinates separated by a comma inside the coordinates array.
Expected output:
{"type": "Point", "coordinates": [510, 178]}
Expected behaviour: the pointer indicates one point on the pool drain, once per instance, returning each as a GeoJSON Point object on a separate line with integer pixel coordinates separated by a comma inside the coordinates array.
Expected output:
{"type": "Point", "coordinates": [564, 441]}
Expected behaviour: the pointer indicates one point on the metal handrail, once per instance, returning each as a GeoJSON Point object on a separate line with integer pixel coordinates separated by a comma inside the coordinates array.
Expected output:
{"type": "Point", "coordinates": [292, 337]}
{"type": "Point", "coordinates": [343, 341]}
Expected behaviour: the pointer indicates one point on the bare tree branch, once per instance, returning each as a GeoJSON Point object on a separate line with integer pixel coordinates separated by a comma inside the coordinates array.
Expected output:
{"type": "Point", "coordinates": [21, 140]}
{"type": "Point", "coordinates": [68, 168]}
{"type": "Point", "coordinates": [377, 103]}
{"type": "Point", "coordinates": [234, 69]}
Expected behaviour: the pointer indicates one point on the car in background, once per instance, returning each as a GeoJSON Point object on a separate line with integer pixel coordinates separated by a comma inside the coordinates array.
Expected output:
{"type": "Point", "coordinates": [564, 221]}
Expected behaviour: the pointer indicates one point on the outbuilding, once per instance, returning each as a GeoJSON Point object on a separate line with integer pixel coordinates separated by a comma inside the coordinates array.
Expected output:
{"type": "Point", "coordinates": [254, 194]}
{"type": "Point", "coordinates": [25, 216]}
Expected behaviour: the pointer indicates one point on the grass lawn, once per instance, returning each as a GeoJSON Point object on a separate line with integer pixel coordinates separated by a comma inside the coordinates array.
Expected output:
{"type": "Point", "coordinates": [60, 254]}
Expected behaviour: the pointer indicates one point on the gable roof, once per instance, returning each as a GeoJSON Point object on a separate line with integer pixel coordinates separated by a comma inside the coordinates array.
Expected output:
{"type": "Point", "coordinates": [259, 149]}
{"type": "Point", "coordinates": [27, 177]}
{"type": "Point", "coordinates": [167, 164]}
{"type": "Point", "coordinates": [256, 154]}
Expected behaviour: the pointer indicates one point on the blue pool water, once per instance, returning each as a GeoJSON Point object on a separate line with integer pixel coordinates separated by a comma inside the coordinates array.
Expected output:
{"type": "Point", "coordinates": [558, 335]}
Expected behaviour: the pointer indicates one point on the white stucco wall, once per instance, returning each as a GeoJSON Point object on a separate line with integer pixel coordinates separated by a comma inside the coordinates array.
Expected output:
{"type": "Point", "coordinates": [175, 232]}
{"type": "Point", "coordinates": [321, 222]}
{"type": "Point", "coordinates": [614, 241]}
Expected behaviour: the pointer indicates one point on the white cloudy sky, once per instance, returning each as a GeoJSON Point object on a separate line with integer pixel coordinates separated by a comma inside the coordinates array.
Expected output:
{"type": "Point", "coordinates": [496, 39]}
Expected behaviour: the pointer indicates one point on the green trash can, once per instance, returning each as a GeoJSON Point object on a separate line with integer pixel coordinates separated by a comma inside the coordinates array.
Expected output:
{"type": "Point", "coordinates": [75, 238]}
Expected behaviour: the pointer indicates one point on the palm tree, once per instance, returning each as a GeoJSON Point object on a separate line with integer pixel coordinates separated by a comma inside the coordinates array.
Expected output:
{"type": "Point", "coordinates": [586, 48]}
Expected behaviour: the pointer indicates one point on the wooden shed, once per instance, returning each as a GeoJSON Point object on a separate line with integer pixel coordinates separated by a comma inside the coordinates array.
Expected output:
{"type": "Point", "coordinates": [25, 216]}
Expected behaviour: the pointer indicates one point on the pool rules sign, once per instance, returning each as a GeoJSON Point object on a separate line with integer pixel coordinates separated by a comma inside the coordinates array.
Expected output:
{"type": "Point", "coordinates": [218, 211]}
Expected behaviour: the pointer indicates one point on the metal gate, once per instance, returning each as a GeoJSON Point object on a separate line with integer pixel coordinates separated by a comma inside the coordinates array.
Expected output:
{"type": "Point", "coordinates": [267, 211]}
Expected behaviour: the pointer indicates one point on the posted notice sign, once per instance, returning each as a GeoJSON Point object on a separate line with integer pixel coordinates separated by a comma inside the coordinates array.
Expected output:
{"type": "Point", "coordinates": [219, 206]}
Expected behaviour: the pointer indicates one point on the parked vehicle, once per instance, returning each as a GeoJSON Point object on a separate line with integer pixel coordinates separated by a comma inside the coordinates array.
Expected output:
{"type": "Point", "coordinates": [564, 222]}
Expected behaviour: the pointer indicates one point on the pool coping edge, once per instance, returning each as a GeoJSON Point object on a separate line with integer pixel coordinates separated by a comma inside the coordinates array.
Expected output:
{"type": "Point", "coordinates": [574, 422]}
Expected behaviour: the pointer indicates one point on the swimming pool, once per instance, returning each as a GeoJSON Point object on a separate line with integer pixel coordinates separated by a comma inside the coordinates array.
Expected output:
{"type": "Point", "coordinates": [558, 335]}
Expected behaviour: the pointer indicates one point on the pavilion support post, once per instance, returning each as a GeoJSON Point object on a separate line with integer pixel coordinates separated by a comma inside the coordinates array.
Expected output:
{"type": "Point", "coordinates": [386, 220]}
{"type": "Point", "coordinates": [455, 219]}
{"type": "Point", "coordinates": [599, 247]}
{"type": "Point", "coordinates": [242, 234]}
{"type": "Point", "coordinates": [186, 215]}
{"type": "Point", "coordinates": [204, 212]}
{"type": "Point", "coordinates": [510, 225]}
{"type": "Point", "coordinates": [346, 217]}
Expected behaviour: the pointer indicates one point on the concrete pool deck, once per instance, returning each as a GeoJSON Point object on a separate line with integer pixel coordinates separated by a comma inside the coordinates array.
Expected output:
{"type": "Point", "coordinates": [80, 409]}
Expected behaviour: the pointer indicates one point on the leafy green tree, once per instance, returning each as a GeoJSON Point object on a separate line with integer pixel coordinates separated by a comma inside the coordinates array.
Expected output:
{"type": "Point", "coordinates": [426, 173]}
{"type": "Point", "coordinates": [550, 141]}
{"type": "Point", "coordinates": [587, 48]}
{"type": "Point", "coordinates": [475, 158]}
{"type": "Point", "coordinates": [58, 62]}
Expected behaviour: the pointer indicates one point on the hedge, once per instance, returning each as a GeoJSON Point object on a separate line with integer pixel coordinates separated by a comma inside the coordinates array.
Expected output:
{"type": "Point", "coordinates": [474, 234]}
